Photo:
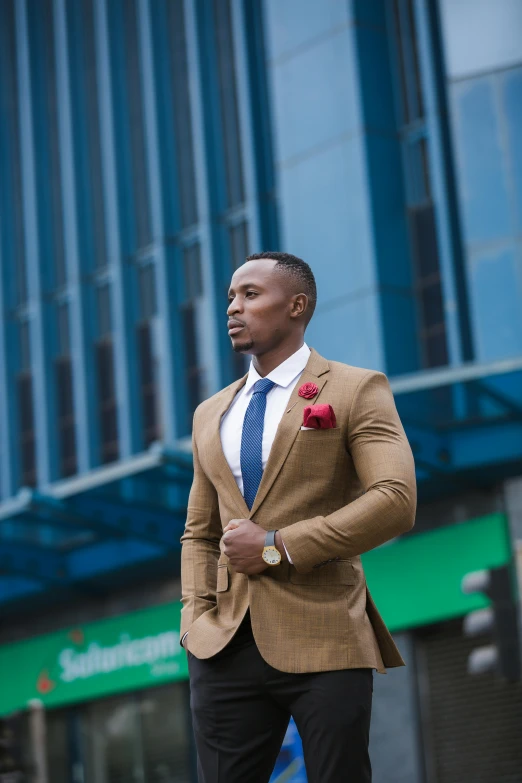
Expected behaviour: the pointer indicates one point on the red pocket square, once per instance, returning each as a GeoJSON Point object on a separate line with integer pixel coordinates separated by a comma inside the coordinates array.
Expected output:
{"type": "Point", "coordinates": [320, 417]}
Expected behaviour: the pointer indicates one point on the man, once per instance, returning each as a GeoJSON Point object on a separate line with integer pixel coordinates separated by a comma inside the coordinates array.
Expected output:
{"type": "Point", "coordinates": [281, 625]}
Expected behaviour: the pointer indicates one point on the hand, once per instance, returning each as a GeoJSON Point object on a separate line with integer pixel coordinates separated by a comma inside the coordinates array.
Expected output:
{"type": "Point", "coordinates": [243, 543]}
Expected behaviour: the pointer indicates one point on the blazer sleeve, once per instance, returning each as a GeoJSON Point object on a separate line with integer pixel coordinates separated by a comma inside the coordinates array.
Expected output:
{"type": "Point", "coordinates": [200, 545]}
{"type": "Point", "coordinates": [384, 463]}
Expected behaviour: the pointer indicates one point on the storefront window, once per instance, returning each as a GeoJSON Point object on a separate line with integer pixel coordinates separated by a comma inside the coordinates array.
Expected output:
{"type": "Point", "coordinates": [141, 737]}
{"type": "Point", "coordinates": [113, 743]}
{"type": "Point", "coordinates": [57, 747]}
{"type": "Point", "coordinates": [166, 735]}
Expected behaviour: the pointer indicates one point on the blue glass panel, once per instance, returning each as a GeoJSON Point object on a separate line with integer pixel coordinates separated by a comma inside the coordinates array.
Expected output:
{"type": "Point", "coordinates": [496, 293]}
{"type": "Point", "coordinates": [327, 224]}
{"type": "Point", "coordinates": [480, 163]}
{"type": "Point", "coordinates": [349, 331]}
{"type": "Point", "coordinates": [316, 96]}
{"type": "Point", "coordinates": [481, 35]}
{"type": "Point", "coordinates": [296, 23]}
{"type": "Point", "coordinates": [512, 98]}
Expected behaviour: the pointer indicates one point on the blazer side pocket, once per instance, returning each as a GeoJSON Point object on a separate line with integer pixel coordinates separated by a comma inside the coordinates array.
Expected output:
{"type": "Point", "coordinates": [222, 578]}
{"type": "Point", "coordinates": [340, 572]}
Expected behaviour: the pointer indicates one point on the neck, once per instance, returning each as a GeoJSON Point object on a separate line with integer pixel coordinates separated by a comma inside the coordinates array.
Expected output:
{"type": "Point", "coordinates": [266, 362]}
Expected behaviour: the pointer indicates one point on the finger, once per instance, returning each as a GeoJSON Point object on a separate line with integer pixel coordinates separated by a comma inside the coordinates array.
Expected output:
{"type": "Point", "coordinates": [228, 534]}
{"type": "Point", "coordinates": [232, 525]}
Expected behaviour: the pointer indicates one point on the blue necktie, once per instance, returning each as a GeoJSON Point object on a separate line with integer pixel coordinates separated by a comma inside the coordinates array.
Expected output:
{"type": "Point", "coordinates": [252, 440]}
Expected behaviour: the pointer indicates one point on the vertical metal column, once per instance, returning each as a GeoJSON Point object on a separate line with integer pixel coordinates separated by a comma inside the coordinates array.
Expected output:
{"type": "Point", "coordinates": [9, 445]}
{"type": "Point", "coordinates": [455, 295]}
{"type": "Point", "coordinates": [166, 331]}
{"type": "Point", "coordinates": [129, 411]}
{"type": "Point", "coordinates": [87, 437]}
{"type": "Point", "coordinates": [42, 386]}
{"type": "Point", "coordinates": [211, 352]}
{"type": "Point", "coordinates": [10, 458]}
{"type": "Point", "coordinates": [245, 124]}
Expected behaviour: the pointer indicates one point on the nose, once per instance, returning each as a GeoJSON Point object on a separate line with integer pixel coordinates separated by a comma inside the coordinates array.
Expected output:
{"type": "Point", "coordinates": [233, 307]}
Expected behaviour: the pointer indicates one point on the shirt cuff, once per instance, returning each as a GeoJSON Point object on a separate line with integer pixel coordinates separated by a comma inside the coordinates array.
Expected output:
{"type": "Point", "coordinates": [288, 556]}
{"type": "Point", "coordinates": [183, 638]}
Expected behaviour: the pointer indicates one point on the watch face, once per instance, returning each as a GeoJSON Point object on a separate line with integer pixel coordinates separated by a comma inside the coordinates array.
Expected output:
{"type": "Point", "coordinates": [271, 556]}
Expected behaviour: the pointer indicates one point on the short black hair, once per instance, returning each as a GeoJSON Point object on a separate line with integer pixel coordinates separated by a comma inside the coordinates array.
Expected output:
{"type": "Point", "coordinates": [296, 268]}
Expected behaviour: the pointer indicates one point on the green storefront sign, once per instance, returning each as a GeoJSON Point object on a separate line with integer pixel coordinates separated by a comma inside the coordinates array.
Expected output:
{"type": "Point", "coordinates": [414, 581]}
{"type": "Point", "coordinates": [123, 653]}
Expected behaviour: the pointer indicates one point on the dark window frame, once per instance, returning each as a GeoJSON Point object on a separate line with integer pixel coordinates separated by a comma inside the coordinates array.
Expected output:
{"type": "Point", "coordinates": [420, 204]}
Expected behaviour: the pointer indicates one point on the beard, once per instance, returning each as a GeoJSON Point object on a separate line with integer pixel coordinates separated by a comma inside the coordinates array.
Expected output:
{"type": "Point", "coordinates": [243, 347]}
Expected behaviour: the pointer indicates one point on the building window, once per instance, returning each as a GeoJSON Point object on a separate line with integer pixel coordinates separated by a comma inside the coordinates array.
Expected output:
{"type": "Point", "coordinates": [65, 398]}
{"type": "Point", "coordinates": [129, 119]}
{"type": "Point", "coordinates": [182, 116]}
{"type": "Point", "coordinates": [147, 367]}
{"type": "Point", "coordinates": [27, 433]}
{"type": "Point", "coordinates": [86, 124]}
{"type": "Point", "coordinates": [420, 203]}
{"type": "Point", "coordinates": [238, 237]}
{"type": "Point", "coordinates": [218, 47]}
{"type": "Point", "coordinates": [175, 121]}
{"type": "Point", "coordinates": [11, 208]}
{"type": "Point", "coordinates": [194, 372]}
{"type": "Point", "coordinates": [228, 103]}
{"type": "Point", "coordinates": [260, 110]}
{"type": "Point", "coordinates": [107, 402]}
{"type": "Point", "coordinates": [45, 116]}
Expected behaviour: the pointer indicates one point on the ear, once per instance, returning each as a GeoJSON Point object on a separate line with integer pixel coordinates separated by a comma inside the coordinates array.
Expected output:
{"type": "Point", "coordinates": [299, 305]}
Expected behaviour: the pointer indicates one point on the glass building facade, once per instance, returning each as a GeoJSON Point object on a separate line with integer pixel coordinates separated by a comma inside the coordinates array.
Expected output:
{"type": "Point", "coordinates": [146, 148]}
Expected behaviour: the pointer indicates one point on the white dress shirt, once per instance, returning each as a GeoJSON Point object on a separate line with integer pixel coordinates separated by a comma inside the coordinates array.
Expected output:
{"type": "Point", "coordinates": [285, 376]}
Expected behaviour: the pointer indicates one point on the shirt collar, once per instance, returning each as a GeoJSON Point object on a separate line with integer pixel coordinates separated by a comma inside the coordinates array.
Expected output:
{"type": "Point", "coordinates": [284, 373]}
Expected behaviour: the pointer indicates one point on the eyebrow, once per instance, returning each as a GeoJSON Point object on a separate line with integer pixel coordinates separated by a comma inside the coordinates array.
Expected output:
{"type": "Point", "coordinates": [247, 285]}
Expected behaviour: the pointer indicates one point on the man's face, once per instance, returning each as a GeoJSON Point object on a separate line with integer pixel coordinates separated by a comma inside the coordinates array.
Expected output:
{"type": "Point", "coordinates": [259, 306]}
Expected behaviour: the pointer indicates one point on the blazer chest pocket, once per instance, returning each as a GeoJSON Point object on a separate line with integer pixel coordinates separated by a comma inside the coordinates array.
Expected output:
{"type": "Point", "coordinates": [340, 572]}
{"type": "Point", "coordinates": [222, 578]}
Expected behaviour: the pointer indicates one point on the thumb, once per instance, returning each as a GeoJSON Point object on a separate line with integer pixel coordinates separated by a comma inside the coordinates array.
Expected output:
{"type": "Point", "coordinates": [232, 525]}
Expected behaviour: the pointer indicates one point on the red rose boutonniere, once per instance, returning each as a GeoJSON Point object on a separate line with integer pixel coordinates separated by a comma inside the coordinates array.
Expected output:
{"type": "Point", "coordinates": [308, 390]}
{"type": "Point", "coordinates": [320, 417]}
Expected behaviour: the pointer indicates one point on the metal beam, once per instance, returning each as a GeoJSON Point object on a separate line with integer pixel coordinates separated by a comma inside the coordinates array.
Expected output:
{"type": "Point", "coordinates": [59, 513]}
{"type": "Point", "coordinates": [136, 465]}
{"type": "Point", "coordinates": [109, 517]}
{"type": "Point", "coordinates": [133, 519]}
{"type": "Point", "coordinates": [469, 371]}
{"type": "Point", "coordinates": [507, 403]}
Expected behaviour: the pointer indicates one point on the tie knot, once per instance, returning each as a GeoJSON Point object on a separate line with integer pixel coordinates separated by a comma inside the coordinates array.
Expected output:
{"type": "Point", "coordinates": [263, 386]}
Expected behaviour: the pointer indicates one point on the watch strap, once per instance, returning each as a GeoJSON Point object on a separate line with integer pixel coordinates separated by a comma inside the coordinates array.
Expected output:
{"type": "Point", "coordinates": [270, 538]}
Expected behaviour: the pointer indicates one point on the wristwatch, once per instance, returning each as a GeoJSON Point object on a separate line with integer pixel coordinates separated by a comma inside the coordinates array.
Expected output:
{"type": "Point", "coordinates": [271, 554]}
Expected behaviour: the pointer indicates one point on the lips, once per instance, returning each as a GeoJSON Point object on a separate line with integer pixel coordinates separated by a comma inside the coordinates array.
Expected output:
{"type": "Point", "coordinates": [234, 326]}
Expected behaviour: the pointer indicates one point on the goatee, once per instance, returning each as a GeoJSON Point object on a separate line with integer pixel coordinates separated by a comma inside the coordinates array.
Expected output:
{"type": "Point", "coordinates": [243, 346]}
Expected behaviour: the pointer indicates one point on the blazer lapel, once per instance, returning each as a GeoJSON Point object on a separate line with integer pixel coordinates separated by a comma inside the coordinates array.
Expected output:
{"type": "Point", "coordinates": [228, 482]}
{"type": "Point", "coordinates": [316, 371]}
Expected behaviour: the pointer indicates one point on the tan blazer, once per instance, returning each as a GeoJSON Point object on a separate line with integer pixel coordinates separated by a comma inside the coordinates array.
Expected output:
{"type": "Point", "coordinates": [334, 494]}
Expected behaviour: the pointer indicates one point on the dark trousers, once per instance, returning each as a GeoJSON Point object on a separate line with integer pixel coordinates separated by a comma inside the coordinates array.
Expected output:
{"type": "Point", "coordinates": [241, 707]}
